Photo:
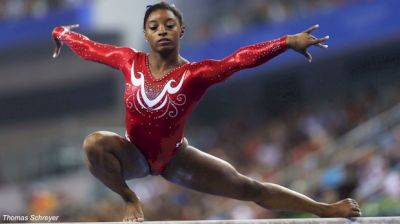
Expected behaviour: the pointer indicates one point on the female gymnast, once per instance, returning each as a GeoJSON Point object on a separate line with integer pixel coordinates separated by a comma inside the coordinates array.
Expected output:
{"type": "Point", "coordinates": [161, 90]}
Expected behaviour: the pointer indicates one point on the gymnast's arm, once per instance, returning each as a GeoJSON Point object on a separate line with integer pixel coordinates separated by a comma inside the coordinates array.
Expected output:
{"type": "Point", "coordinates": [87, 49]}
{"type": "Point", "coordinates": [246, 57]}
{"type": "Point", "coordinates": [253, 55]}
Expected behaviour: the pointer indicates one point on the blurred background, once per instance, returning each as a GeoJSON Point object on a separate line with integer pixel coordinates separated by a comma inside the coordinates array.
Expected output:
{"type": "Point", "coordinates": [329, 129]}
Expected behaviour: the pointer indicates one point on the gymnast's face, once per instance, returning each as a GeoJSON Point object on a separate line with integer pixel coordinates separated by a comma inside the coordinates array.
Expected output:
{"type": "Point", "coordinates": [163, 31]}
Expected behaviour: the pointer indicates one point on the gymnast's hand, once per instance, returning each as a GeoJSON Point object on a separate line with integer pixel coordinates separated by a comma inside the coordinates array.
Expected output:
{"type": "Point", "coordinates": [57, 41]}
{"type": "Point", "coordinates": [301, 41]}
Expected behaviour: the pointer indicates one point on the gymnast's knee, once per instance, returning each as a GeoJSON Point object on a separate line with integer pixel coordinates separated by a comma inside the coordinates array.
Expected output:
{"type": "Point", "coordinates": [98, 143]}
{"type": "Point", "coordinates": [246, 188]}
{"type": "Point", "coordinates": [251, 190]}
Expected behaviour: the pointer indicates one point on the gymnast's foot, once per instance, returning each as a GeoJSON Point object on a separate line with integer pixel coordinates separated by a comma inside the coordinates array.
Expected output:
{"type": "Point", "coordinates": [344, 208]}
{"type": "Point", "coordinates": [133, 212]}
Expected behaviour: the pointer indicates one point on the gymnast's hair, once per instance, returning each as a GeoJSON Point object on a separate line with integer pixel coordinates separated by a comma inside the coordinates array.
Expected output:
{"type": "Point", "coordinates": [162, 5]}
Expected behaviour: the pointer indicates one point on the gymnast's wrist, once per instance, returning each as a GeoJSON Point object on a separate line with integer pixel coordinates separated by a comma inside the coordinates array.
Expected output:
{"type": "Point", "coordinates": [290, 39]}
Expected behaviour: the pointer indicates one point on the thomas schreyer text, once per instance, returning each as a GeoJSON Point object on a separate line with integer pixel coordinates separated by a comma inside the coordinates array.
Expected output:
{"type": "Point", "coordinates": [30, 218]}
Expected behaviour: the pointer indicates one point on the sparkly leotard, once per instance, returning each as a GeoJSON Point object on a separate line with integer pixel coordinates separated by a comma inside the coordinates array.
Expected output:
{"type": "Point", "coordinates": [157, 109]}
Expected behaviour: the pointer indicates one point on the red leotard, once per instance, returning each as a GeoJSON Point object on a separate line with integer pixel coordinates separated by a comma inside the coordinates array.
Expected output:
{"type": "Point", "coordinates": [157, 109]}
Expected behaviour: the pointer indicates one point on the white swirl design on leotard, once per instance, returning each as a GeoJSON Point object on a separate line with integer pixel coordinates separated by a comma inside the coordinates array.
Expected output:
{"type": "Point", "coordinates": [150, 105]}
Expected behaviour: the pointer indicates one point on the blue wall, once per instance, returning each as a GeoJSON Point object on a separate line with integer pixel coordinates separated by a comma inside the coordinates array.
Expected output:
{"type": "Point", "coordinates": [349, 27]}
{"type": "Point", "coordinates": [39, 29]}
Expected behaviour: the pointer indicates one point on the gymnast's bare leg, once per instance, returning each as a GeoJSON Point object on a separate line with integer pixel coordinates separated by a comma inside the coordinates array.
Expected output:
{"type": "Point", "coordinates": [112, 159]}
{"type": "Point", "coordinates": [200, 171]}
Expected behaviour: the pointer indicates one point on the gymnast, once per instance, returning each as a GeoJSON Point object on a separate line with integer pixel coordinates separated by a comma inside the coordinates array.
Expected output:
{"type": "Point", "coordinates": [161, 90]}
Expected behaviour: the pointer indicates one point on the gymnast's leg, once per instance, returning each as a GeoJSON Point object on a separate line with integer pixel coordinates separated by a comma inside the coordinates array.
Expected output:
{"type": "Point", "coordinates": [113, 159]}
{"type": "Point", "coordinates": [200, 171]}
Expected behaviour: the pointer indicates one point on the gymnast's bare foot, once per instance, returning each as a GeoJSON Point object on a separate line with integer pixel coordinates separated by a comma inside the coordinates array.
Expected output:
{"type": "Point", "coordinates": [345, 208]}
{"type": "Point", "coordinates": [133, 212]}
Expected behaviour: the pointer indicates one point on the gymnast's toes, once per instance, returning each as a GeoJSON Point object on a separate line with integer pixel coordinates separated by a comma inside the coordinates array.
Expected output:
{"type": "Point", "coordinates": [344, 208]}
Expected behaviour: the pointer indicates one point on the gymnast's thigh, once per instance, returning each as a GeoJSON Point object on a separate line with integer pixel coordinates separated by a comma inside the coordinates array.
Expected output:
{"type": "Point", "coordinates": [133, 163]}
{"type": "Point", "coordinates": [203, 172]}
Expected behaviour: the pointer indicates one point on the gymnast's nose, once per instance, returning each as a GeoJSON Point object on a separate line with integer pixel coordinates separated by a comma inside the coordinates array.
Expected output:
{"type": "Point", "coordinates": [162, 31]}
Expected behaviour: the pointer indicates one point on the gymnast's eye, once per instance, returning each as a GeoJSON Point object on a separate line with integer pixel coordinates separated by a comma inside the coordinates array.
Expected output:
{"type": "Point", "coordinates": [152, 25]}
{"type": "Point", "coordinates": [170, 26]}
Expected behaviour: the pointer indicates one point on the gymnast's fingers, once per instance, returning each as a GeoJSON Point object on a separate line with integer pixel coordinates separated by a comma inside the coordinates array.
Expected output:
{"type": "Point", "coordinates": [57, 48]}
{"type": "Point", "coordinates": [309, 30]}
{"type": "Point", "coordinates": [324, 46]}
{"type": "Point", "coordinates": [70, 27]}
{"type": "Point", "coordinates": [320, 40]}
{"type": "Point", "coordinates": [307, 55]}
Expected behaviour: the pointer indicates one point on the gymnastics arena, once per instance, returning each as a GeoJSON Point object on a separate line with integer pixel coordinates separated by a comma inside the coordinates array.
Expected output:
{"type": "Point", "coordinates": [329, 129]}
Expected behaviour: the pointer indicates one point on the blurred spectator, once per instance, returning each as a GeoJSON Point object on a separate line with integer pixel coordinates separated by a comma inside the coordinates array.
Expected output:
{"type": "Point", "coordinates": [229, 16]}
{"type": "Point", "coordinates": [18, 9]}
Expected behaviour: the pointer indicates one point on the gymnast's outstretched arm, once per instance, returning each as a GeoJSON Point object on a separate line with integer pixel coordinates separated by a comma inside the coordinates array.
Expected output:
{"type": "Point", "coordinates": [253, 55]}
{"type": "Point", "coordinates": [87, 49]}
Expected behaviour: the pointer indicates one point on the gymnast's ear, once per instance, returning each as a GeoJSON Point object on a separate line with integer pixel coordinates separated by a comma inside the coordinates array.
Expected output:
{"type": "Point", "coordinates": [183, 28]}
{"type": "Point", "coordinates": [145, 36]}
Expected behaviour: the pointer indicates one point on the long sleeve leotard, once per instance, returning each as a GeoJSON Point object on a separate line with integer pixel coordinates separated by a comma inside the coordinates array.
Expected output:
{"type": "Point", "coordinates": [157, 109]}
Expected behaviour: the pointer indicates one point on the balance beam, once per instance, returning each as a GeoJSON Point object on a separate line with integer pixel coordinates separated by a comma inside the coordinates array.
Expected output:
{"type": "Point", "coordinates": [361, 220]}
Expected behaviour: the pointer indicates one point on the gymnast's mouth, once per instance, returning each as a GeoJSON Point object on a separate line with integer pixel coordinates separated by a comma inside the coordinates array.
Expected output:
{"type": "Point", "coordinates": [163, 41]}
